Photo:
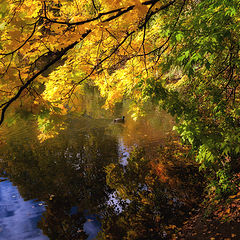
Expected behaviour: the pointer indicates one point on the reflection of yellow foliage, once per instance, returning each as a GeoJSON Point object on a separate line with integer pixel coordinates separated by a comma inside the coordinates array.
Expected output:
{"type": "Point", "coordinates": [48, 129]}
{"type": "Point", "coordinates": [43, 136]}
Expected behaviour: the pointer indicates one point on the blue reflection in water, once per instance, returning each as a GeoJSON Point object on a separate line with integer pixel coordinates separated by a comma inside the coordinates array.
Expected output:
{"type": "Point", "coordinates": [92, 226]}
{"type": "Point", "coordinates": [18, 218]}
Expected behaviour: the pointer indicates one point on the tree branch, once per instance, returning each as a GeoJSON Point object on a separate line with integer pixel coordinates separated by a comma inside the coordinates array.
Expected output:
{"type": "Point", "coordinates": [119, 12]}
{"type": "Point", "coordinates": [128, 35]}
{"type": "Point", "coordinates": [6, 105]}
{"type": "Point", "coordinates": [34, 29]}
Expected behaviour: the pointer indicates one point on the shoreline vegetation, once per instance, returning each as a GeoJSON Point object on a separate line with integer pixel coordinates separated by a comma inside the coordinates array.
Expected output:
{"type": "Point", "coordinates": [205, 214]}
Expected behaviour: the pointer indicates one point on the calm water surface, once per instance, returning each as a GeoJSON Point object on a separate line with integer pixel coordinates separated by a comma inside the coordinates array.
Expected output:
{"type": "Point", "coordinates": [58, 189]}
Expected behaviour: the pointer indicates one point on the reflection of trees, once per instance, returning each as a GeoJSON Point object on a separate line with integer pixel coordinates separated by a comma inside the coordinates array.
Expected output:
{"type": "Point", "coordinates": [140, 218]}
{"type": "Point", "coordinates": [154, 207]}
{"type": "Point", "coordinates": [64, 172]}
{"type": "Point", "coordinates": [70, 172]}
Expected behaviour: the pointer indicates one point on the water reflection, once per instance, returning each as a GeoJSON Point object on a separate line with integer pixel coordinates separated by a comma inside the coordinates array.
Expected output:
{"type": "Point", "coordinates": [92, 226]}
{"type": "Point", "coordinates": [18, 218]}
{"type": "Point", "coordinates": [73, 174]}
{"type": "Point", "coordinates": [65, 171]}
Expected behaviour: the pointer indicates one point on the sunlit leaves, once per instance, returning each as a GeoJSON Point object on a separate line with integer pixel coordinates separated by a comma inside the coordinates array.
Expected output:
{"type": "Point", "coordinates": [117, 49]}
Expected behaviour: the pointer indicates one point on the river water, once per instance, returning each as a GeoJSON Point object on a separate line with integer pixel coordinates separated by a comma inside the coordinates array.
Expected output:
{"type": "Point", "coordinates": [79, 183]}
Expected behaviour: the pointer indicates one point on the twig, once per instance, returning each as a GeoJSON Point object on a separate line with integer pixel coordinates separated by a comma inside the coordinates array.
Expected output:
{"type": "Point", "coordinates": [34, 29]}
{"type": "Point", "coordinates": [5, 105]}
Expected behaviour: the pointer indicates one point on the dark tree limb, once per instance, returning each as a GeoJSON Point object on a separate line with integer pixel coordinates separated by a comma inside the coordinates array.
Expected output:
{"type": "Point", "coordinates": [119, 12]}
{"type": "Point", "coordinates": [60, 54]}
{"type": "Point", "coordinates": [12, 52]}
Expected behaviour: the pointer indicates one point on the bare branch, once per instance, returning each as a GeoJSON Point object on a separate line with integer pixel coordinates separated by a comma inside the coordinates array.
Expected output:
{"type": "Point", "coordinates": [119, 12]}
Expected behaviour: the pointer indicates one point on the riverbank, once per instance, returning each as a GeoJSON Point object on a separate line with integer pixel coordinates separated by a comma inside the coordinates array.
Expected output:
{"type": "Point", "coordinates": [212, 219]}
{"type": "Point", "coordinates": [206, 216]}
{"type": "Point", "coordinates": [222, 223]}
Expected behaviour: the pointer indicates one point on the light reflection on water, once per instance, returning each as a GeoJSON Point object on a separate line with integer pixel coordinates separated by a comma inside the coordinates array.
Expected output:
{"type": "Point", "coordinates": [123, 152]}
{"type": "Point", "coordinates": [18, 218]}
{"type": "Point", "coordinates": [92, 226]}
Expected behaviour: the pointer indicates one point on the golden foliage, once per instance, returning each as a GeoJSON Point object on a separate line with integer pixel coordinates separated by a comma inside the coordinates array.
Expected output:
{"type": "Point", "coordinates": [111, 48]}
